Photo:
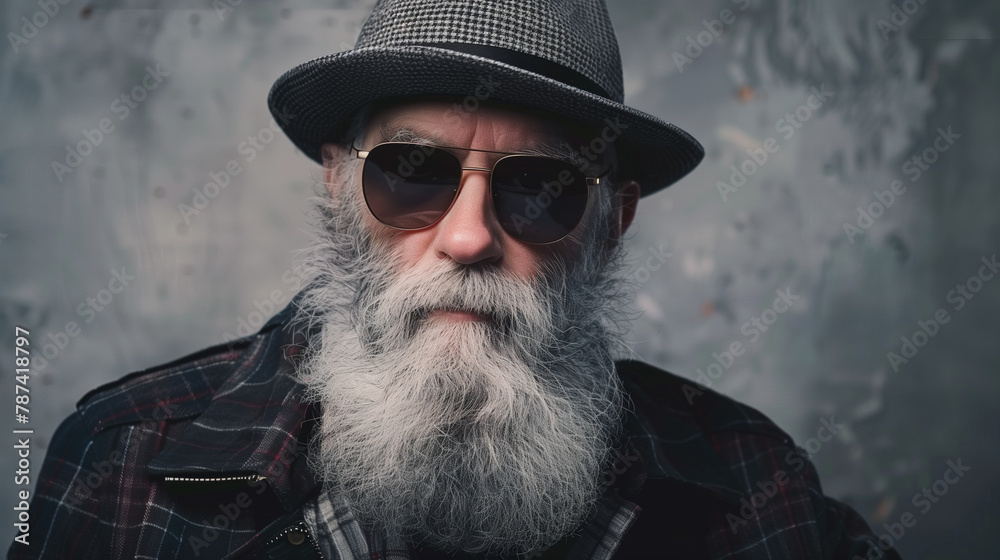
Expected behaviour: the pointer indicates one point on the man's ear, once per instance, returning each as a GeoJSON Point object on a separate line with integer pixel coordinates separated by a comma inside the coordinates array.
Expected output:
{"type": "Point", "coordinates": [624, 202]}
{"type": "Point", "coordinates": [335, 157]}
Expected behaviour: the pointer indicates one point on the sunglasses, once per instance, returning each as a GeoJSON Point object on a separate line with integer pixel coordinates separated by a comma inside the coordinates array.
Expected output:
{"type": "Point", "coordinates": [410, 186]}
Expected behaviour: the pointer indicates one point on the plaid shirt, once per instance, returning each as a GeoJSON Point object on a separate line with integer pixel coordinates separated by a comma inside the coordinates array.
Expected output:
{"type": "Point", "coordinates": [205, 457]}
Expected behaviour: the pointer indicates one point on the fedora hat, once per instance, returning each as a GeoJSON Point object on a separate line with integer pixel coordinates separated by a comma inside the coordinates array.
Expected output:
{"type": "Point", "coordinates": [555, 56]}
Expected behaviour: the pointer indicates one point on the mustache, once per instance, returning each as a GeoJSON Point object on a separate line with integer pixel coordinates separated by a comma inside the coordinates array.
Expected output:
{"type": "Point", "coordinates": [515, 307]}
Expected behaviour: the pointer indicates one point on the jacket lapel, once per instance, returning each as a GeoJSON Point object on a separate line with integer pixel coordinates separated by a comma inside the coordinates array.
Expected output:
{"type": "Point", "coordinates": [255, 425]}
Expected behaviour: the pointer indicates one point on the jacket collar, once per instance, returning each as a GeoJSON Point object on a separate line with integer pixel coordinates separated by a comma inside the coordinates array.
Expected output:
{"type": "Point", "coordinates": [673, 446]}
{"type": "Point", "coordinates": [265, 425]}
{"type": "Point", "coordinates": [256, 425]}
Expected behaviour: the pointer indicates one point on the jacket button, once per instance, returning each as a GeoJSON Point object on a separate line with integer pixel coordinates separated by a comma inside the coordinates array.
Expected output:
{"type": "Point", "coordinates": [296, 537]}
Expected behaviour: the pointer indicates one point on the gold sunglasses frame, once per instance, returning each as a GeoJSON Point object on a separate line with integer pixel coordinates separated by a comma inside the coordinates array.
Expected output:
{"type": "Point", "coordinates": [590, 182]}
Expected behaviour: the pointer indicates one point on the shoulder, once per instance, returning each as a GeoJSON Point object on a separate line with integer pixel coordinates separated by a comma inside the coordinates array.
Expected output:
{"type": "Point", "coordinates": [664, 395]}
{"type": "Point", "coordinates": [185, 387]}
{"type": "Point", "coordinates": [176, 390]}
{"type": "Point", "coordinates": [776, 501]}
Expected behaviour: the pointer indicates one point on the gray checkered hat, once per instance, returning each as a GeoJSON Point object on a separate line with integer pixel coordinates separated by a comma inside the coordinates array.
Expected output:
{"type": "Point", "coordinates": [558, 56]}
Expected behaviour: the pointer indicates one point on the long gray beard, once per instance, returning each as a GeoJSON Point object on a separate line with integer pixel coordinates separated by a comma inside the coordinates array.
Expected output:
{"type": "Point", "coordinates": [475, 436]}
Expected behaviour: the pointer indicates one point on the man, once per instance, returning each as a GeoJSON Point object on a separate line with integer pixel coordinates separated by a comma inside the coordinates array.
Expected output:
{"type": "Point", "coordinates": [446, 385]}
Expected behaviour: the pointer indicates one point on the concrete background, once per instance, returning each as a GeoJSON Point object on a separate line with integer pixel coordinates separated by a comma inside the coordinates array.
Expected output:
{"type": "Point", "coordinates": [896, 77]}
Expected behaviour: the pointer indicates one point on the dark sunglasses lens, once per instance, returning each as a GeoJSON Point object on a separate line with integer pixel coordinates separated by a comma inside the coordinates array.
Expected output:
{"type": "Point", "coordinates": [409, 186]}
{"type": "Point", "coordinates": [538, 199]}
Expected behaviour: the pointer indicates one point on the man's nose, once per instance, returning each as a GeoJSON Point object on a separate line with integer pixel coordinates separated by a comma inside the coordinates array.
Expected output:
{"type": "Point", "coordinates": [469, 232]}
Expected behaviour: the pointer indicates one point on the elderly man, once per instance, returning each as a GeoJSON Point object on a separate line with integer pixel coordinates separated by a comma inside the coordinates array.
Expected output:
{"type": "Point", "coordinates": [446, 384]}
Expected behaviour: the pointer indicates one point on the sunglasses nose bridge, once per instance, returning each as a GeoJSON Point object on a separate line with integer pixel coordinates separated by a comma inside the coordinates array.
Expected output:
{"type": "Point", "coordinates": [469, 231]}
{"type": "Point", "coordinates": [483, 169]}
{"type": "Point", "coordinates": [463, 178]}
{"type": "Point", "coordinates": [487, 194]}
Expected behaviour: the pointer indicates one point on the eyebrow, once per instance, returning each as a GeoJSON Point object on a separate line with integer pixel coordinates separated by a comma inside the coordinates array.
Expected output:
{"type": "Point", "coordinates": [559, 149]}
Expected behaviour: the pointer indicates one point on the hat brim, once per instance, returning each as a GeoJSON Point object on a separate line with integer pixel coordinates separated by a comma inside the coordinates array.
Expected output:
{"type": "Point", "coordinates": [312, 101]}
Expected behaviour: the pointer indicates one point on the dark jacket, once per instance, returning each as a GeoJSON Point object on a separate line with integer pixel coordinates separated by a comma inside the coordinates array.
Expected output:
{"type": "Point", "coordinates": [205, 457]}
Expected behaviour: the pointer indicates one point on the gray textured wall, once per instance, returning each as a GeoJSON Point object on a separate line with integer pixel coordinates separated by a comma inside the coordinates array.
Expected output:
{"type": "Point", "coordinates": [896, 80]}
